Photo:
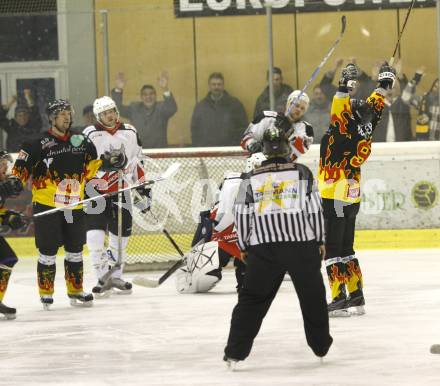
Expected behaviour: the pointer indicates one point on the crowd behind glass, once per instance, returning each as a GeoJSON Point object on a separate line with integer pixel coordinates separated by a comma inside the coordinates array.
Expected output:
{"type": "Point", "coordinates": [219, 119]}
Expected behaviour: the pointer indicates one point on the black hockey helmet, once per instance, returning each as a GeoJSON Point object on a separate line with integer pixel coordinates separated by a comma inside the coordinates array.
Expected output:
{"type": "Point", "coordinates": [275, 143]}
{"type": "Point", "coordinates": [361, 110]}
{"type": "Point", "coordinates": [54, 107]}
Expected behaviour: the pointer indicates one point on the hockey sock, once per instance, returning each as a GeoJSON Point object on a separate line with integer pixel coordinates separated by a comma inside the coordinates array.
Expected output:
{"type": "Point", "coordinates": [354, 274]}
{"type": "Point", "coordinates": [337, 276]}
{"type": "Point", "coordinates": [73, 273]}
{"type": "Point", "coordinates": [5, 274]}
{"type": "Point", "coordinates": [46, 278]}
{"type": "Point", "coordinates": [96, 244]}
{"type": "Point", "coordinates": [113, 253]}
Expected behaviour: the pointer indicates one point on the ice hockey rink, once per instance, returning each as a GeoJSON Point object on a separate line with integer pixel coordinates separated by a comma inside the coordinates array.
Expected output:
{"type": "Point", "coordinates": [159, 337]}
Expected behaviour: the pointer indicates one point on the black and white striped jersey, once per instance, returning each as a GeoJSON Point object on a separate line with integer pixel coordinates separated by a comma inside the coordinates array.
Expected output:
{"type": "Point", "coordinates": [278, 202]}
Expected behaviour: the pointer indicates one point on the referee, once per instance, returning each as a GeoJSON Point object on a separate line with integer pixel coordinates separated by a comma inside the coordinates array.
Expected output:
{"type": "Point", "coordinates": [280, 227]}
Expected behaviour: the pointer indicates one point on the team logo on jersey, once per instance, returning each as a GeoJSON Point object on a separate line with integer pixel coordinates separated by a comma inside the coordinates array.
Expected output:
{"type": "Point", "coordinates": [48, 161]}
{"type": "Point", "coordinates": [76, 140]}
{"type": "Point", "coordinates": [23, 156]}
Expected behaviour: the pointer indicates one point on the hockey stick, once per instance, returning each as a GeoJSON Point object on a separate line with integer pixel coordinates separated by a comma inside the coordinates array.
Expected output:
{"type": "Point", "coordinates": [391, 62]}
{"type": "Point", "coordinates": [323, 61]}
{"type": "Point", "coordinates": [167, 174]}
{"type": "Point", "coordinates": [145, 282]}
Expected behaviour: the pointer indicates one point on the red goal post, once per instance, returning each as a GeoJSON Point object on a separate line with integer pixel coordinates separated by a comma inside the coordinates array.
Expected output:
{"type": "Point", "coordinates": [178, 201]}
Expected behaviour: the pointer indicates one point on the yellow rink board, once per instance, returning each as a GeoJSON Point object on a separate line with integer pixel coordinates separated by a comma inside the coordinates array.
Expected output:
{"type": "Point", "coordinates": [365, 239]}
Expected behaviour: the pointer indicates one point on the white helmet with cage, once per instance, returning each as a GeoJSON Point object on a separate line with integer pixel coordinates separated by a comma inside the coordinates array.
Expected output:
{"type": "Point", "coordinates": [102, 104]}
{"type": "Point", "coordinates": [254, 161]}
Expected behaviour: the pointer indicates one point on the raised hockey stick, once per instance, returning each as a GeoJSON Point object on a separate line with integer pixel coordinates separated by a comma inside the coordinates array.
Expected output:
{"type": "Point", "coordinates": [323, 61]}
{"type": "Point", "coordinates": [173, 168]}
{"type": "Point", "coordinates": [391, 62]}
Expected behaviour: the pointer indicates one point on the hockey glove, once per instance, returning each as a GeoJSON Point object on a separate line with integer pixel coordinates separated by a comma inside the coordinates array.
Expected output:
{"type": "Point", "coordinates": [387, 76]}
{"type": "Point", "coordinates": [12, 186]}
{"type": "Point", "coordinates": [254, 147]}
{"type": "Point", "coordinates": [349, 75]}
{"type": "Point", "coordinates": [143, 203]}
{"type": "Point", "coordinates": [113, 160]}
{"type": "Point", "coordinates": [282, 122]}
{"type": "Point", "coordinates": [14, 220]}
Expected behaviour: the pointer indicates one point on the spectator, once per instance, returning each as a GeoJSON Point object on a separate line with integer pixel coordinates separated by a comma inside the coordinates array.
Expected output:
{"type": "Point", "coordinates": [26, 123]}
{"type": "Point", "coordinates": [149, 116]}
{"type": "Point", "coordinates": [89, 119]}
{"type": "Point", "coordinates": [219, 119]}
{"type": "Point", "coordinates": [395, 125]}
{"type": "Point", "coordinates": [281, 92]}
{"type": "Point", "coordinates": [318, 113]}
{"type": "Point", "coordinates": [427, 105]}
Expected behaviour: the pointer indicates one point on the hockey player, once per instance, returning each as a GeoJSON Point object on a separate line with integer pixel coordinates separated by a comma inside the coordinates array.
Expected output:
{"type": "Point", "coordinates": [344, 148]}
{"type": "Point", "coordinates": [299, 132]}
{"type": "Point", "coordinates": [9, 187]}
{"type": "Point", "coordinates": [108, 134]}
{"type": "Point", "coordinates": [205, 262]}
{"type": "Point", "coordinates": [60, 164]}
{"type": "Point", "coordinates": [280, 229]}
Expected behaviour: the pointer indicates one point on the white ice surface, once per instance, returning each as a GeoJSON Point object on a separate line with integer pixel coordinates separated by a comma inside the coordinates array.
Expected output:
{"type": "Point", "coordinates": [159, 337]}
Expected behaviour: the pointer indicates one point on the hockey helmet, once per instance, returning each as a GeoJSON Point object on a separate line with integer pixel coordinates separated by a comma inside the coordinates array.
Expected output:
{"type": "Point", "coordinates": [295, 97]}
{"type": "Point", "coordinates": [254, 161]}
{"type": "Point", "coordinates": [102, 104]}
{"type": "Point", "coordinates": [275, 143]}
{"type": "Point", "coordinates": [361, 111]}
{"type": "Point", "coordinates": [58, 105]}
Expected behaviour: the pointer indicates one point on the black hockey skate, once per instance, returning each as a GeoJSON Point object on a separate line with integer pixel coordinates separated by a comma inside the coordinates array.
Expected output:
{"type": "Point", "coordinates": [81, 300]}
{"type": "Point", "coordinates": [231, 363]}
{"type": "Point", "coordinates": [102, 290]}
{"type": "Point", "coordinates": [338, 307]}
{"type": "Point", "coordinates": [123, 287]}
{"type": "Point", "coordinates": [356, 300]}
{"type": "Point", "coordinates": [47, 301]}
{"type": "Point", "coordinates": [8, 312]}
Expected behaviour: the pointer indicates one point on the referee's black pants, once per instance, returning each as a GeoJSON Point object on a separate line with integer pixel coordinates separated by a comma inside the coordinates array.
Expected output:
{"type": "Point", "coordinates": [266, 267]}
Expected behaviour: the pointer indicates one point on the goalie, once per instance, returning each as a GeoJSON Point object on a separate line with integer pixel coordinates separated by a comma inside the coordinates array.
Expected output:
{"type": "Point", "coordinates": [214, 242]}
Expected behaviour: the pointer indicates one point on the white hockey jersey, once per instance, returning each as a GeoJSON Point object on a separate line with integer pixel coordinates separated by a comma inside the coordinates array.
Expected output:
{"type": "Point", "coordinates": [124, 137]}
{"type": "Point", "coordinates": [300, 138]}
{"type": "Point", "coordinates": [226, 199]}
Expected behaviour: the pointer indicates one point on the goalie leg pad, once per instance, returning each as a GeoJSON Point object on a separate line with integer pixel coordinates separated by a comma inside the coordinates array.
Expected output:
{"type": "Point", "coordinates": [202, 271]}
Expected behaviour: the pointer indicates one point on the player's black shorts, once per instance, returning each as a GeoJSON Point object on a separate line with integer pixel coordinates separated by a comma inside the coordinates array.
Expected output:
{"type": "Point", "coordinates": [7, 255]}
{"type": "Point", "coordinates": [108, 218]}
{"type": "Point", "coordinates": [55, 230]}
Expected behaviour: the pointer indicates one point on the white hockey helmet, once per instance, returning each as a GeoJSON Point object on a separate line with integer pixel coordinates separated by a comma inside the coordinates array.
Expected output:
{"type": "Point", "coordinates": [202, 271]}
{"type": "Point", "coordinates": [103, 104]}
{"type": "Point", "coordinates": [254, 161]}
{"type": "Point", "coordinates": [297, 96]}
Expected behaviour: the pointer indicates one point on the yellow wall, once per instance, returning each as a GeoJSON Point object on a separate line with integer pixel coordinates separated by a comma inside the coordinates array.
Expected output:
{"type": "Point", "coordinates": [145, 37]}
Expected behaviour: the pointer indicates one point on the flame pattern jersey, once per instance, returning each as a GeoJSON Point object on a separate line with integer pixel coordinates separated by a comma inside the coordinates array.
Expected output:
{"type": "Point", "coordinates": [59, 166]}
{"type": "Point", "coordinates": [345, 147]}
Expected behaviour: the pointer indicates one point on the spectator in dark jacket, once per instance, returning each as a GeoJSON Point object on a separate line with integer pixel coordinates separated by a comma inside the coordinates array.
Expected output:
{"type": "Point", "coordinates": [318, 113]}
{"type": "Point", "coordinates": [26, 123]}
{"type": "Point", "coordinates": [395, 124]}
{"type": "Point", "coordinates": [89, 119]}
{"type": "Point", "coordinates": [149, 116]}
{"type": "Point", "coordinates": [281, 92]}
{"type": "Point", "coordinates": [219, 119]}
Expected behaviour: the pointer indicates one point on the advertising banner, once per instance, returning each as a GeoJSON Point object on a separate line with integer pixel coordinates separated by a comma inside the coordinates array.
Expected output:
{"type": "Point", "coordinates": [196, 8]}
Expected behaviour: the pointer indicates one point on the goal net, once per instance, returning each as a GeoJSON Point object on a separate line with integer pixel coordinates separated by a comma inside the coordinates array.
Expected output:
{"type": "Point", "coordinates": [177, 202]}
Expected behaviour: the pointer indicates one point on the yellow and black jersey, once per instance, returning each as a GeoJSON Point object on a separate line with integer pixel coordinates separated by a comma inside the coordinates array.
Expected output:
{"type": "Point", "coordinates": [59, 167]}
{"type": "Point", "coordinates": [345, 147]}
